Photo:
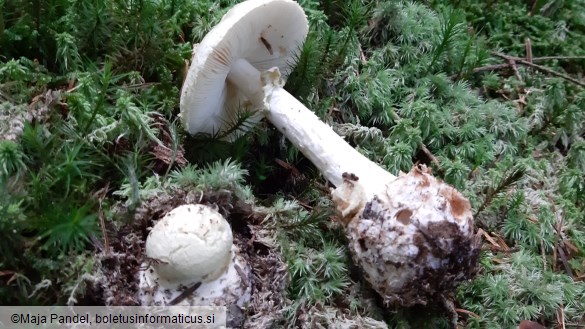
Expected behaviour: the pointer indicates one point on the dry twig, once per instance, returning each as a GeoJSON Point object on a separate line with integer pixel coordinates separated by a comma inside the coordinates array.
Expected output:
{"type": "Point", "coordinates": [530, 63]}
{"type": "Point", "coordinates": [460, 310]}
{"type": "Point", "coordinates": [431, 156]}
{"type": "Point", "coordinates": [539, 68]}
{"type": "Point", "coordinates": [561, 316]}
{"type": "Point", "coordinates": [558, 58]}
{"type": "Point", "coordinates": [543, 254]}
{"type": "Point", "coordinates": [528, 45]}
{"type": "Point", "coordinates": [100, 195]}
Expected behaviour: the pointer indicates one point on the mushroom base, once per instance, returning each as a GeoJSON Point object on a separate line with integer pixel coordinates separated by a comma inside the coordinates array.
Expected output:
{"type": "Point", "coordinates": [415, 241]}
{"type": "Point", "coordinates": [232, 289]}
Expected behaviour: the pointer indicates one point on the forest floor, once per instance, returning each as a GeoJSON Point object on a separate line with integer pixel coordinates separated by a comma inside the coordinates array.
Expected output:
{"type": "Point", "coordinates": [489, 94]}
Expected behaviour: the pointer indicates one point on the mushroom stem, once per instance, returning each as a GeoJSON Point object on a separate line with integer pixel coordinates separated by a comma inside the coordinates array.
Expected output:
{"type": "Point", "coordinates": [247, 78]}
{"type": "Point", "coordinates": [328, 151]}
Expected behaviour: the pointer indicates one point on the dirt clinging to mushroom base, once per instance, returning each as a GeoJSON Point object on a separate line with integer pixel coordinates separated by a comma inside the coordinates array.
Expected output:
{"type": "Point", "coordinates": [415, 242]}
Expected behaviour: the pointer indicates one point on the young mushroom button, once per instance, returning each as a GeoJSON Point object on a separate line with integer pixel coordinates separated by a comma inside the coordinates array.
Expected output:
{"type": "Point", "coordinates": [192, 261]}
{"type": "Point", "coordinates": [412, 235]}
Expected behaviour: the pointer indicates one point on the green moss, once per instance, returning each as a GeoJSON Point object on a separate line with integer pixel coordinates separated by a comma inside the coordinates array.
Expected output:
{"type": "Point", "coordinates": [89, 95]}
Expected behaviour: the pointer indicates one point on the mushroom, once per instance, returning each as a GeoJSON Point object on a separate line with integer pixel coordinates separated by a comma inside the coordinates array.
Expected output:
{"type": "Point", "coordinates": [412, 235]}
{"type": "Point", "coordinates": [192, 261]}
{"type": "Point", "coordinates": [225, 69]}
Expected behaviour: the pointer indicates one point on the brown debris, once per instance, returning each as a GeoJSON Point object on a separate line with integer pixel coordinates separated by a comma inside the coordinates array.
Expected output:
{"type": "Point", "coordinates": [164, 155]}
{"type": "Point", "coordinates": [119, 271]}
{"type": "Point", "coordinates": [39, 107]}
{"type": "Point", "coordinates": [270, 278]}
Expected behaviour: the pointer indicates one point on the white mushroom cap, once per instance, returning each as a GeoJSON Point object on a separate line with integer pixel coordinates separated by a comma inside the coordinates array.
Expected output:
{"type": "Point", "coordinates": [191, 243]}
{"type": "Point", "coordinates": [260, 33]}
